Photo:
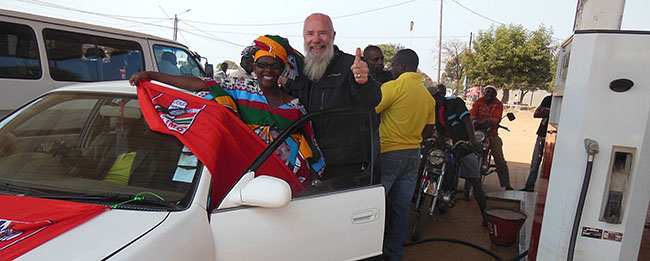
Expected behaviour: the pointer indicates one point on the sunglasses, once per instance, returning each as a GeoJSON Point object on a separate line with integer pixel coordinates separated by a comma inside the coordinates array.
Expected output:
{"type": "Point", "coordinates": [263, 65]}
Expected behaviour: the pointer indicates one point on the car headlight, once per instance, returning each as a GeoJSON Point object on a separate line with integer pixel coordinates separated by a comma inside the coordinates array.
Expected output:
{"type": "Point", "coordinates": [479, 135]}
{"type": "Point", "coordinates": [436, 157]}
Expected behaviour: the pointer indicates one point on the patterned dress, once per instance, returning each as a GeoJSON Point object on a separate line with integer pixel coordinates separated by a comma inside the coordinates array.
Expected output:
{"type": "Point", "coordinates": [245, 98]}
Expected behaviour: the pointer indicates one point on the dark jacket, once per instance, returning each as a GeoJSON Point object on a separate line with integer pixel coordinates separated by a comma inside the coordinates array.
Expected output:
{"type": "Point", "coordinates": [453, 111]}
{"type": "Point", "coordinates": [383, 76]}
{"type": "Point", "coordinates": [340, 139]}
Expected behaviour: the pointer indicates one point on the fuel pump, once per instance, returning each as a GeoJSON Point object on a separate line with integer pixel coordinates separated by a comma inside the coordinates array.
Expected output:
{"type": "Point", "coordinates": [594, 206]}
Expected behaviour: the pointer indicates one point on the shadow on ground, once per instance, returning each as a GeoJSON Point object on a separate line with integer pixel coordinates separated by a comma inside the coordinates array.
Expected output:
{"type": "Point", "coordinates": [463, 222]}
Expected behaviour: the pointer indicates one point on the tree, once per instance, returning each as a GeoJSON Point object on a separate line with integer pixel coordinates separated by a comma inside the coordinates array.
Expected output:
{"type": "Point", "coordinates": [454, 67]}
{"type": "Point", "coordinates": [389, 50]}
{"type": "Point", "coordinates": [511, 57]}
{"type": "Point", "coordinates": [540, 57]}
{"type": "Point", "coordinates": [231, 65]}
{"type": "Point", "coordinates": [426, 80]}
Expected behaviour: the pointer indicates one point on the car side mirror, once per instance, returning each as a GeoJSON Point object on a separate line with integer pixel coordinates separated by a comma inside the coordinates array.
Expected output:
{"type": "Point", "coordinates": [263, 191]}
{"type": "Point", "coordinates": [511, 116]}
{"type": "Point", "coordinates": [266, 191]}
{"type": "Point", "coordinates": [209, 70]}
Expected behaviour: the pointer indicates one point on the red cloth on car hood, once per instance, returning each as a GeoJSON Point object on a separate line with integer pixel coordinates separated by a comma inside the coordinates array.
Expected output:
{"type": "Point", "coordinates": [26, 222]}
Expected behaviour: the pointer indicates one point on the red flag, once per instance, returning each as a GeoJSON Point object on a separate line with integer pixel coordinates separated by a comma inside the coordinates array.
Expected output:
{"type": "Point", "coordinates": [218, 139]}
{"type": "Point", "coordinates": [26, 222]}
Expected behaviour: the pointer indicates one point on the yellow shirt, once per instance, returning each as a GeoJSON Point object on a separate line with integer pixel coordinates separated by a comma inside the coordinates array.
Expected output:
{"type": "Point", "coordinates": [121, 169]}
{"type": "Point", "coordinates": [406, 107]}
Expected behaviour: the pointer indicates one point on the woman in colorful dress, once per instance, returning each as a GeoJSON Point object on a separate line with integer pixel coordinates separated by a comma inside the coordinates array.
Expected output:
{"type": "Point", "coordinates": [260, 104]}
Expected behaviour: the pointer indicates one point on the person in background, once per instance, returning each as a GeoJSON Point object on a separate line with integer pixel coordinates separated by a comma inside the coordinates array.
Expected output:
{"type": "Point", "coordinates": [375, 58]}
{"type": "Point", "coordinates": [260, 104]}
{"type": "Point", "coordinates": [542, 111]}
{"type": "Point", "coordinates": [168, 65]}
{"type": "Point", "coordinates": [223, 73]}
{"type": "Point", "coordinates": [453, 122]}
{"type": "Point", "coordinates": [407, 114]}
{"type": "Point", "coordinates": [487, 111]}
{"type": "Point", "coordinates": [333, 79]}
{"type": "Point", "coordinates": [245, 69]}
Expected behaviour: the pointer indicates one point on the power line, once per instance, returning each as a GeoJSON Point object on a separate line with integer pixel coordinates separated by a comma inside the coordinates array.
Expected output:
{"type": "Point", "coordinates": [476, 13]}
{"type": "Point", "coordinates": [492, 20]}
{"type": "Point", "coordinates": [376, 9]}
{"type": "Point", "coordinates": [338, 36]}
{"type": "Point", "coordinates": [300, 22]}
{"type": "Point", "coordinates": [41, 3]}
{"type": "Point", "coordinates": [462, 17]}
{"type": "Point", "coordinates": [118, 17]}
{"type": "Point", "coordinates": [214, 37]}
{"type": "Point", "coordinates": [131, 24]}
{"type": "Point", "coordinates": [46, 4]}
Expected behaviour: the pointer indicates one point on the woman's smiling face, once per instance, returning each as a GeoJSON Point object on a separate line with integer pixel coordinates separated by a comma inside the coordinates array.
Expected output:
{"type": "Point", "coordinates": [268, 70]}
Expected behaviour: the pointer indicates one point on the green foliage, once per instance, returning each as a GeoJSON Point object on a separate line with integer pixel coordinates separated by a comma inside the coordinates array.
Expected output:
{"type": "Point", "coordinates": [426, 80]}
{"type": "Point", "coordinates": [389, 50]}
{"type": "Point", "coordinates": [511, 57]}
{"type": "Point", "coordinates": [455, 52]}
{"type": "Point", "coordinates": [231, 65]}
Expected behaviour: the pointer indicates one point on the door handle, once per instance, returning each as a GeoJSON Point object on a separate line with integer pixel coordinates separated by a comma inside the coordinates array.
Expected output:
{"type": "Point", "coordinates": [365, 216]}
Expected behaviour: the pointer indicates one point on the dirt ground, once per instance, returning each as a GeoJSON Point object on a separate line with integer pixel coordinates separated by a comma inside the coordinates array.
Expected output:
{"type": "Point", "coordinates": [463, 222]}
{"type": "Point", "coordinates": [518, 143]}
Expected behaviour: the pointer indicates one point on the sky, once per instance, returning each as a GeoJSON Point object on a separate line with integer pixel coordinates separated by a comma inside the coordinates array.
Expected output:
{"type": "Point", "coordinates": [219, 30]}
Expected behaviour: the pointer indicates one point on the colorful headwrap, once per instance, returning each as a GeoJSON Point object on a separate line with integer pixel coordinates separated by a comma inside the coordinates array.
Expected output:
{"type": "Point", "coordinates": [249, 51]}
{"type": "Point", "coordinates": [278, 47]}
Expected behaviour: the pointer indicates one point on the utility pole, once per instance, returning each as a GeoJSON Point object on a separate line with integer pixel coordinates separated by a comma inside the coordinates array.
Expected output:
{"type": "Point", "coordinates": [469, 50]}
{"type": "Point", "coordinates": [176, 22]}
{"type": "Point", "coordinates": [440, 43]}
{"type": "Point", "coordinates": [175, 26]}
{"type": "Point", "coordinates": [410, 30]}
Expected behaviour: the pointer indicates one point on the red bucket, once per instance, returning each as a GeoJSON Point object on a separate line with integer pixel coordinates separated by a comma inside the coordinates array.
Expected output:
{"type": "Point", "coordinates": [504, 225]}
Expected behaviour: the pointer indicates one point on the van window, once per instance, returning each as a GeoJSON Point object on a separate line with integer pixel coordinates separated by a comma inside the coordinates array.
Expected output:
{"type": "Point", "coordinates": [175, 61]}
{"type": "Point", "coordinates": [18, 52]}
{"type": "Point", "coordinates": [87, 58]}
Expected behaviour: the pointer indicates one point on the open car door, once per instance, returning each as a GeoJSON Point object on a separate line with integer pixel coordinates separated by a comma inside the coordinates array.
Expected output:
{"type": "Point", "coordinates": [338, 219]}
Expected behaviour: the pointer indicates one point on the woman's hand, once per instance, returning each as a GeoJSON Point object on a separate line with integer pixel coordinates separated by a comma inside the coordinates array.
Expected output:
{"type": "Point", "coordinates": [139, 76]}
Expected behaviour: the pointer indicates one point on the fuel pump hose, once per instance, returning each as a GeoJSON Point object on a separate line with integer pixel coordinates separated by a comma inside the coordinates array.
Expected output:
{"type": "Point", "coordinates": [456, 241]}
{"type": "Point", "coordinates": [592, 149]}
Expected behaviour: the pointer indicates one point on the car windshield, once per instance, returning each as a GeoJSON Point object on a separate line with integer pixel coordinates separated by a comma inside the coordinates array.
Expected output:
{"type": "Point", "coordinates": [94, 148]}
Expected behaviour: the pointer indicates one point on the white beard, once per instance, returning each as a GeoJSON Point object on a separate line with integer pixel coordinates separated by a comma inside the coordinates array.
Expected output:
{"type": "Point", "coordinates": [315, 66]}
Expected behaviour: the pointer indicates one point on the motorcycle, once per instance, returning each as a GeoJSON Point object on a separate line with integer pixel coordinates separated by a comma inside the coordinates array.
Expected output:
{"type": "Point", "coordinates": [486, 166]}
{"type": "Point", "coordinates": [438, 183]}
{"type": "Point", "coordinates": [485, 154]}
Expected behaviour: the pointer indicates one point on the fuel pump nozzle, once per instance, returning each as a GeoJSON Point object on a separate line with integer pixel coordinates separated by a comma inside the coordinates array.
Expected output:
{"type": "Point", "coordinates": [592, 149]}
{"type": "Point", "coordinates": [591, 146]}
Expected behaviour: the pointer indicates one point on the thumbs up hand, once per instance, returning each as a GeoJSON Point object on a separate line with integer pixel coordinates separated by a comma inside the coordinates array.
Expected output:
{"type": "Point", "coordinates": [359, 69]}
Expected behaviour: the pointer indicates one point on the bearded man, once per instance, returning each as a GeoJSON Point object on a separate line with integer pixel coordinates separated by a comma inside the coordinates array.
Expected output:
{"type": "Point", "coordinates": [332, 79]}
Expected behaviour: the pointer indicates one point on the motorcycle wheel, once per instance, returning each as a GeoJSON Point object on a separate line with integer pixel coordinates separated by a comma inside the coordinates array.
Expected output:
{"type": "Point", "coordinates": [422, 214]}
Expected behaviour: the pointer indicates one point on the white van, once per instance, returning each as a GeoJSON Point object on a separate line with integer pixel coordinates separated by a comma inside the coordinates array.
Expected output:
{"type": "Point", "coordinates": [38, 54]}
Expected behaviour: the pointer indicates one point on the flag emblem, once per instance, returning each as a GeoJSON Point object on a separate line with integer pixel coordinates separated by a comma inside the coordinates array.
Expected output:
{"type": "Point", "coordinates": [176, 116]}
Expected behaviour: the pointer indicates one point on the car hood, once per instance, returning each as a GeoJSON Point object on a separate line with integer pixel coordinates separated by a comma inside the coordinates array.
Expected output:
{"type": "Point", "coordinates": [98, 237]}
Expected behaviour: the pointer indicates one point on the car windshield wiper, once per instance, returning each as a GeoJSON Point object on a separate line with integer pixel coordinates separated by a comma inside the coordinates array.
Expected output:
{"type": "Point", "coordinates": [18, 190]}
{"type": "Point", "coordinates": [119, 199]}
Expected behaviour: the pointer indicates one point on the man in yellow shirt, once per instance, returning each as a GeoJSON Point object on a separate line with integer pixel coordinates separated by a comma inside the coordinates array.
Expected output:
{"type": "Point", "coordinates": [407, 113]}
